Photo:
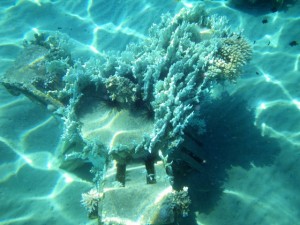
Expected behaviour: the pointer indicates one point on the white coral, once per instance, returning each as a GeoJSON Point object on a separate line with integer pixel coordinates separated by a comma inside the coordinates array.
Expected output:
{"type": "Point", "coordinates": [91, 199]}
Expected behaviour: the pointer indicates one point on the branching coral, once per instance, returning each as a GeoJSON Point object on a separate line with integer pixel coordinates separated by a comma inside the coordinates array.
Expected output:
{"type": "Point", "coordinates": [121, 89]}
{"type": "Point", "coordinates": [187, 54]}
{"type": "Point", "coordinates": [179, 202]}
{"type": "Point", "coordinates": [182, 200]}
{"type": "Point", "coordinates": [231, 56]}
{"type": "Point", "coordinates": [168, 74]}
{"type": "Point", "coordinates": [156, 86]}
{"type": "Point", "coordinates": [91, 199]}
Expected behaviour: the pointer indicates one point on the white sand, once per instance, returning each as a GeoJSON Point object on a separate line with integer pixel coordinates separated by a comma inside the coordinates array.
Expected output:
{"type": "Point", "coordinates": [34, 191]}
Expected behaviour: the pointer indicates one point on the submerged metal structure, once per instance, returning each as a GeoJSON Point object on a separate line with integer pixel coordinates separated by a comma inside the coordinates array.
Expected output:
{"type": "Point", "coordinates": [133, 109]}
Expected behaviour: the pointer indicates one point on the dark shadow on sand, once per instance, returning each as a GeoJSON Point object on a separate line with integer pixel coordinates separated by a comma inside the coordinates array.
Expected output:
{"type": "Point", "coordinates": [231, 139]}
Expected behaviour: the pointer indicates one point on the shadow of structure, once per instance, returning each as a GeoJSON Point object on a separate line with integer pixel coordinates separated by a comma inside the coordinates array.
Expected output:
{"type": "Point", "coordinates": [231, 139]}
{"type": "Point", "coordinates": [259, 7]}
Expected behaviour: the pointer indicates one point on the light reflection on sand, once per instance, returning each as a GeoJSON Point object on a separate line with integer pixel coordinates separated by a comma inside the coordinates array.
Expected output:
{"type": "Point", "coordinates": [34, 190]}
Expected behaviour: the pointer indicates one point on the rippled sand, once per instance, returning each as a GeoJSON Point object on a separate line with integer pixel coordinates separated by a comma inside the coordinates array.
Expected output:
{"type": "Point", "coordinates": [33, 190]}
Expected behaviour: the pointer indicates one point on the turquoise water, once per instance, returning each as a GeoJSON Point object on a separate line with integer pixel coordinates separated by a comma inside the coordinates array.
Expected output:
{"type": "Point", "coordinates": [252, 131]}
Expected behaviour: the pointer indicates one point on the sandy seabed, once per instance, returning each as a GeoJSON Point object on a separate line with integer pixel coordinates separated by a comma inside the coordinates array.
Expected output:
{"type": "Point", "coordinates": [33, 190]}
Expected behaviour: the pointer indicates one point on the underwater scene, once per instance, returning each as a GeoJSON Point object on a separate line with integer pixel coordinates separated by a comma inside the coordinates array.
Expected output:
{"type": "Point", "coordinates": [135, 112]}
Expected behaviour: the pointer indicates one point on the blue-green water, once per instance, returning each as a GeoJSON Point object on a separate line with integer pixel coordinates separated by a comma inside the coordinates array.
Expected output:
{"type": "Point", "coordinates": [252, 130]}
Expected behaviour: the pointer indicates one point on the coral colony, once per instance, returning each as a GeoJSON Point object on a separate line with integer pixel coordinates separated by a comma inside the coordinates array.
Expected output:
{"type": "Point", "coordinates": [159, 82]}
{"type": "Point", "coordinates": [91, 199]}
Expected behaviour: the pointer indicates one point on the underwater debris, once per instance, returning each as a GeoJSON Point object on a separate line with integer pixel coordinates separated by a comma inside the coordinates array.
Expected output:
{"type": "Point", "coordinates": [133, 104]}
